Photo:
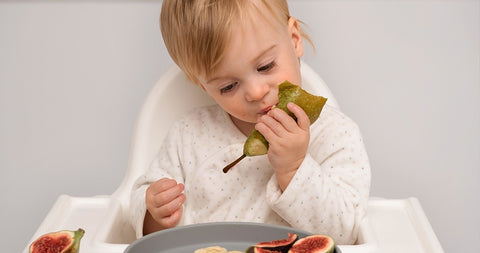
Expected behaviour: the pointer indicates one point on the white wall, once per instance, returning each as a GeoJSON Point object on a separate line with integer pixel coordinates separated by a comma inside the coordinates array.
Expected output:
{"type": "Point", "coordinates": [73, 75]}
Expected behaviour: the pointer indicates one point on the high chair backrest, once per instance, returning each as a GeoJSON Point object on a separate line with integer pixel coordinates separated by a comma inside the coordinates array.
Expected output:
{"type": "Point", "coordinates": [172, 96]}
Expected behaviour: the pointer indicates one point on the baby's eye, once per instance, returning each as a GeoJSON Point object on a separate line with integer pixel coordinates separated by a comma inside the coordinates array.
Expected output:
{"type": "Point", "coordinates": [228, 88]}
{"type": "Point", "coordinates": [266, 67]}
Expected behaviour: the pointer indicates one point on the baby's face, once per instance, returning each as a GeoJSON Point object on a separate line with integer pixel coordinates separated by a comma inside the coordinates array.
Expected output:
{"type": "Point", "coordinates": [259, 57]}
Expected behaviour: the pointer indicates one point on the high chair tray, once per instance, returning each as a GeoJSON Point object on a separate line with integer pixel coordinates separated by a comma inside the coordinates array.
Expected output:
{"type": "Point", "coordinates": [391, 225]}
{"type": "Point", "coordinates": [233, 236]}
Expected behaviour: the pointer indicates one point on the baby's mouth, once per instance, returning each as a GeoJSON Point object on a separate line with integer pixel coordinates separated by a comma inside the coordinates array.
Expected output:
{"type": "Point", "coordinates": [268, 108]}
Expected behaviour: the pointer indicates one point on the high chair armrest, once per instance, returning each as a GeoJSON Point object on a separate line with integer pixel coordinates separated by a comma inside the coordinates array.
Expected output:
{"type": "Point", "coordinates": [71, 213]}
{"type": "Point", "coordinates": [399, 225]}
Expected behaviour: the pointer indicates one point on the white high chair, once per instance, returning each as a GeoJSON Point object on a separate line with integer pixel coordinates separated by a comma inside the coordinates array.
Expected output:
{"type": "Point", "coordinates": [390, 224]}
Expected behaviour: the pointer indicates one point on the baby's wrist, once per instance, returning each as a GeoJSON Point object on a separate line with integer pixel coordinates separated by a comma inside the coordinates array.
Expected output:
{"type": "Point", "coordinates": [284, 178]}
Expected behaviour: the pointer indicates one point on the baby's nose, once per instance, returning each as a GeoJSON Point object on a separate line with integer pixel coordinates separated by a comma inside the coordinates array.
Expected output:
{"type": "Point", "coordinates": [257, 91]}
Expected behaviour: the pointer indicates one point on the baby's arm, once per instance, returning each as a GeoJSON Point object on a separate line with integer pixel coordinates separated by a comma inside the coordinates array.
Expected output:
{"type": "Point", "coordinates": [164, 199]}
{"type": "Point", "coordinates": [329, 192]}
{"type": "Point", "coordinates": [147, 209]}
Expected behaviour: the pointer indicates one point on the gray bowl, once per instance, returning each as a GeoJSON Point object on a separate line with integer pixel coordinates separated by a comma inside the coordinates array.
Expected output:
{"type": "Point", "coordinates": [230, 235]}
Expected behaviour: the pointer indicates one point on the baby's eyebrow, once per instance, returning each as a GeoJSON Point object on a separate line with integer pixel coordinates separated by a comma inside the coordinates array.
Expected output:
{"type": "Point", "coordinates": [253, 61]}
{"type": "Point", "coordinates": [214, 79]}
{"type": "Point", "coordinates": [264, 52]}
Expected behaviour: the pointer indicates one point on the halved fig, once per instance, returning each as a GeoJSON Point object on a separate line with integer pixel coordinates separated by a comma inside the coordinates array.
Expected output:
{"type": "Point", "coordinates": [280, 246]}
{"type": "Point", "coordinates": [64, 241]}
{"type": "Point", "coordinates": [313, 244]}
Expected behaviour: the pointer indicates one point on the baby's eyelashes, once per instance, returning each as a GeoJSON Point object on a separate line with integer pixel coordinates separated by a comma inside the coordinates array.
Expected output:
{"type": "Point", "coordinates": [266, 67]}
{"type": "Point", "coordinates": [228, 88]}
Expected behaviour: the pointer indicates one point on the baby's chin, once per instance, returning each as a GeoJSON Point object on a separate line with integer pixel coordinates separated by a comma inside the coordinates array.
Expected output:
{"type": "Point", "coordinates": [244, 121]}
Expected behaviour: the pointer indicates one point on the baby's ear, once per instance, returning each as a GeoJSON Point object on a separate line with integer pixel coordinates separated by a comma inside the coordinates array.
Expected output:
{"type": "Point", "coordinates": [296, 35]}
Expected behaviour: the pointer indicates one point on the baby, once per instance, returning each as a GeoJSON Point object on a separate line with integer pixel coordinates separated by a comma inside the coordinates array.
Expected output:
{"type": "Point", "coordinates": [315, 178]}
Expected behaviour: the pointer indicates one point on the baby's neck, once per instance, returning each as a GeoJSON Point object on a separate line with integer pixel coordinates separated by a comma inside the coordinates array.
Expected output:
{"type": "Point", "coordinates": [245, 127]}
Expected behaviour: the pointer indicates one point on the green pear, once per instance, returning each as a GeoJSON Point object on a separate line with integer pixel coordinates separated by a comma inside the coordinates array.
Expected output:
{"type": "Point", "coordinates": [256, 144]}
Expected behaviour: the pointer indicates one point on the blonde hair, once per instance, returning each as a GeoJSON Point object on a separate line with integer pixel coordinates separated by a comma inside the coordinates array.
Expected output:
{"type": "Point", "coordinates": [196, 32]}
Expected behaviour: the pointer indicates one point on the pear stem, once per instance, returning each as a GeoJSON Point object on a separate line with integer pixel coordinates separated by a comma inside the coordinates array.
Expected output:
{"type": "Point", "coordinates": [228, 167]}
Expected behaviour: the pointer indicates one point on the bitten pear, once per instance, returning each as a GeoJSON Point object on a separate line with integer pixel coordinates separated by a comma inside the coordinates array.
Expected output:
{"type": "Point", "coordinates": [256, 144]}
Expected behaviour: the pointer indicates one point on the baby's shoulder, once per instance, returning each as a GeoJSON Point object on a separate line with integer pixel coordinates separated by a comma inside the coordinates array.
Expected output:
{"type": "Point", "coordinates": [201, 117]}
{"type": "Point", "coordinates": [210, 113]}
{"type": "Point", "coordinates": [333, 118]}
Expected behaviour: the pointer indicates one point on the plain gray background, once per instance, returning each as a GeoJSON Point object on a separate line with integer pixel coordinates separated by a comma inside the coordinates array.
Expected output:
{"type": "Point", "coordinates": [73, 75]}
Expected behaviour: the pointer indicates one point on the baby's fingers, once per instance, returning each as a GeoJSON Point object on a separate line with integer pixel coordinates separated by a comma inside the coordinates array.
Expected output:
{"type": "Point", "coordinates": [170, 207]}
{"type": "Point", "coordinates": [161, 185]}
{"type": "Point", "coordinates": [163, 198]}
{"type": "Point", "coordinates": [171, 220]}
{"type": "Point", "coordinates": [302, 118]}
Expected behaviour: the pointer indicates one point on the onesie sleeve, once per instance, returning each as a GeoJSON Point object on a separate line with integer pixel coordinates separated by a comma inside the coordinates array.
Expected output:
{"type": "Point", "coordinates": [329, 192]}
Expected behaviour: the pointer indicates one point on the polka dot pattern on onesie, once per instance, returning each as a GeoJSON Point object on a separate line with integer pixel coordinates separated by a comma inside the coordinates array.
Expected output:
{"type": "Point", "coordinates": [327, 195]}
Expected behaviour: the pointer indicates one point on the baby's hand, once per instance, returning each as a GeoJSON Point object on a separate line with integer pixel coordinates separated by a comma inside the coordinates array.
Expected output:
{"type": "Point", "coordinates": [164, 199]}
{"type": "Point", "coordinates": [288, 140]}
